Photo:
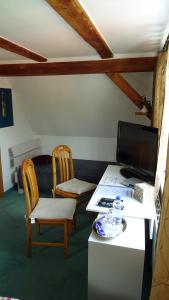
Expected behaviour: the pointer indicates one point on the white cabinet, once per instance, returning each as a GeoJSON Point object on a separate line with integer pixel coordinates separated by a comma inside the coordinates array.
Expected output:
{"type": "Point", "coordinates": [115, 266]}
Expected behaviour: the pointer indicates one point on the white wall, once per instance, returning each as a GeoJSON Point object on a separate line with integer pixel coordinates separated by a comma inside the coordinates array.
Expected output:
{"type": "Point", "coordinates": [95, 148]}
{"type": "Point", "coordinates": [77, 105]}
{"type": "Point", "coordinates": [80, 111]}
{"type": "Point", "coordinates": [12, 135]}
{"type": "Point", "coordinates": [105, 105]}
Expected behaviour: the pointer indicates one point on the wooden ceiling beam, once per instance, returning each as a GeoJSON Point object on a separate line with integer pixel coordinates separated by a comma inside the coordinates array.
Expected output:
{"type": "Point", "coordinates": [75, 15]}
{"type": "Point", "coordinates": [20, 50]}
{"type": "Point", "coordinates": [142, 64]}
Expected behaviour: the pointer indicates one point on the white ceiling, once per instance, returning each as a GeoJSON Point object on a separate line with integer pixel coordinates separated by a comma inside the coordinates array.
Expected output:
{"type": "Point", "coordinates": [81, 105]}
{"type": "Point", "coordinates": [130, 27]}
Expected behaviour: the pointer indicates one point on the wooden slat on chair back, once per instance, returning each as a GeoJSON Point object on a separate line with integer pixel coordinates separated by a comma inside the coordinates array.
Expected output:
{"type": "Point", "coordinates": [30, 185]}
{"type": "Point", "coordinates": [64, 155]}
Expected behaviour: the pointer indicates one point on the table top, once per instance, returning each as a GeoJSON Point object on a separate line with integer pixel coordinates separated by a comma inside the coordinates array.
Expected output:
{"type": "Point", "coordinates": [110, 186]}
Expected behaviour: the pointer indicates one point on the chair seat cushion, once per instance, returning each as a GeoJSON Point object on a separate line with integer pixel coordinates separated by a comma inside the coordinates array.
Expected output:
{"type": "Point", "coordinates": [58, 208]}
{"type": "Point", "coordinates": [76, 186]}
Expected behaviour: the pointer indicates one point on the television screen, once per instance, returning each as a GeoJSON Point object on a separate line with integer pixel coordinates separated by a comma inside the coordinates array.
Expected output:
{"type": "Point", "coordinates": [137, 149]}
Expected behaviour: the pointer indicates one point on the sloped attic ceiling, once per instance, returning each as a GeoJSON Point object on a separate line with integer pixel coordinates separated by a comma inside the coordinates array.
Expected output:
{"type": "Point", "coordinates": [128, 27]}
{"type": "Point", "coordinates": [85, 105]}
{"type": "Point", "coordinates": [81, 105]}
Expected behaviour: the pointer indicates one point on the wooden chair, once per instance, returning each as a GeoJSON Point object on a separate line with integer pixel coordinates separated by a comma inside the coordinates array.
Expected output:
{"type": "Point", "coordinates": [69, 186]}
{"type": "Point", "coordinates": [45, 211]}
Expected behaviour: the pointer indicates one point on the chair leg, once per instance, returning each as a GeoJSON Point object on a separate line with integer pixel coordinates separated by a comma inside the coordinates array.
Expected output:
{"type": "Point", "coordinates": [29, 241]}
{"type": "Point", "coordinates": [66, 233]}
{"type": "Point", "coordinates": [53, 193]}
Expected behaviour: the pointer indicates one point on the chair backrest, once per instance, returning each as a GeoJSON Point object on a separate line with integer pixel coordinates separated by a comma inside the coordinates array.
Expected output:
{"type": "Point", "coordinates": [63, 155]}
{"type": "Point", "coordinates": [30, 185]}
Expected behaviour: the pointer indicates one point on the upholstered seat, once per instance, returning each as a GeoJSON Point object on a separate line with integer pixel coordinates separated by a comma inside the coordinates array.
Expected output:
{"type": "Point", "coordinates": [76, 186]}
{"type": "Point", "coordinates": [49, 208]}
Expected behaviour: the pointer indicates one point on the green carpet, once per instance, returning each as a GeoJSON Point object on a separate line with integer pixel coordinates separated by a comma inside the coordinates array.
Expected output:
{"type": "Point", "coordinates": [46, 275]}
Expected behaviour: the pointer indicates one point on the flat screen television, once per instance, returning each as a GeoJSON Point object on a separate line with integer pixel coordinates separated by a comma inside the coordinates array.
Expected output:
{"type": "Point", "coordinates": [137, 150]}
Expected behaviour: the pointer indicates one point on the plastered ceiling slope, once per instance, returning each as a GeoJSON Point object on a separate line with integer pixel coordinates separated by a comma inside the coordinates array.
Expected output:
{"type": "Point", "coordinates": [128, 26]}
{"type": "Point", "coordinates": [77, 105]}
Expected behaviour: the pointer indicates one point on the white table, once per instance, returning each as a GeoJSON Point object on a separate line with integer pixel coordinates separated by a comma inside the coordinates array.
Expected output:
{"type": "Point", "coordinates": [115, 267]}
{"type": "Point", "coordinates": [111, 181]}
{"type": "Point", "coordinates": [108, 186]}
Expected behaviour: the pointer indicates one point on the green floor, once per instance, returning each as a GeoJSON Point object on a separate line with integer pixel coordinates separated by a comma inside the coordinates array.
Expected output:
{"type": "Point", "coordinates": [46, 275]}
